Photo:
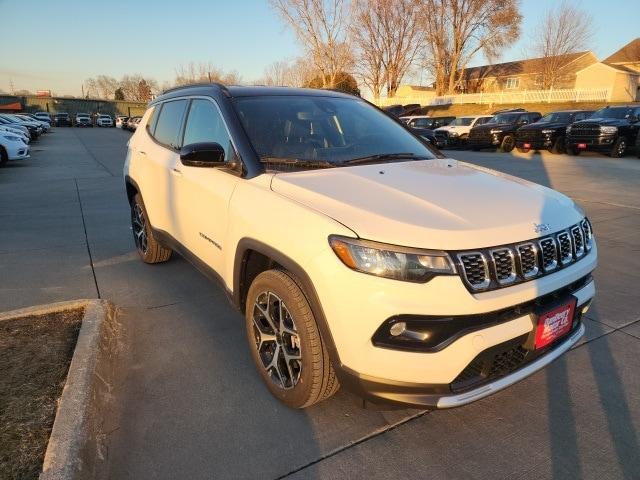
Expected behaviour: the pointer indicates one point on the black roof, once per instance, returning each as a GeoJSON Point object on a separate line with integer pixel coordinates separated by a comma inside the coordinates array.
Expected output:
{"type": "Point", "coordinates": [246, 91]}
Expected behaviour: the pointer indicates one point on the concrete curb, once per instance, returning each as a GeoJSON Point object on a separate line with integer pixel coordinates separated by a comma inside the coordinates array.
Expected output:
{"type": "Point", "coordinates": [76, 443]}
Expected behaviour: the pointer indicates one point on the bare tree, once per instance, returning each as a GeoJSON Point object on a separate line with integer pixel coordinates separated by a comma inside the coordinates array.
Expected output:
{"type": "Point", "coordinates": [320, 26]}
{"type": "Point", "coordinates": [293, 73]}
{"type": "Point", "coordinates": [456, 30]}
{"type": "Point", "coordinates": [385, 33]}
{"type": "Point", "coordinates": [102, 86]}
{"type": "Point", "coordinates": [564, 29]}
{"type": "Point", "coordinates": [205, 72]}
{"type": "Point", "coordinates": [136, 88]}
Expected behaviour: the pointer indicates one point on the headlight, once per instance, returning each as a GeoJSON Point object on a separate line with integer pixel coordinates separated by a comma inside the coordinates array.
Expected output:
{"type": "Point", "coordinates": [608, 129]}
{"type": "Point", "coordinates": [391, 261]}
{"type": "Point", "coordinates": [496, 130]}
{"type": "Point", "coordinates": [11, 138]}
{"type": "Point", "coordinates": [453, 134]}
{"type": "Point", "coordinates": [547, 132]}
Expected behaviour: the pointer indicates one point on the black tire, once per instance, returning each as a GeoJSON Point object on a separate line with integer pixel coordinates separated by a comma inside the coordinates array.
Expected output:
{"type": "Point", "coordinates": [558, 146]}
{"type": "Point", "coordinates": [148, 247]}
{"type": "Point", "coordinates": [508, 143]}
{"type": "Point", "coordinates": [307, 380]}
{"type": "Point", "coordinates": [619, 148]}
{"type": "Point", "coordinates": [573, 151]}
{"type": "Point", "coordinates": [4, 157]}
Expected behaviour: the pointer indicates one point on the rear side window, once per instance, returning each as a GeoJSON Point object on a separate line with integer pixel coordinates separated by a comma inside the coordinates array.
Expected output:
{"type": "Point", "coordinates": [153, 119]}
{"type": "Point", "coordinates": [169, 122]}
{"type": "Point", "coordinates": [204, 124]}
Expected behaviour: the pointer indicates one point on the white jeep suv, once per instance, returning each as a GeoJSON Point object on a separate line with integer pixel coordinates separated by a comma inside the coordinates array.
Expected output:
{"type": "Point", "coordinates": [358, 255]}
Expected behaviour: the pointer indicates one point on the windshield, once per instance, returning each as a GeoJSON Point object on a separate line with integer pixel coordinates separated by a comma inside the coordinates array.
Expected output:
{"type": "Point", "coordinates": [323, 129]}
{"type": "Point", "coordinates": [560, 117]}
{"type": "Point", "coordinates": [505, 118]}
{"type": "Point", "coordinates": [620, 113]}
{"type": "Point", "coordinates": [461, 122]}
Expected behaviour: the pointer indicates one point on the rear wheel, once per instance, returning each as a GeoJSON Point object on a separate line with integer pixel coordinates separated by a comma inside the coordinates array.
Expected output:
{"type": "Point", "coordinates": [508, 142]}
{"type": "Point", "coordinates": [573, 151]}
{"type": "Point", "coordinates": [285, 342]}
{"type": "Point", "coordinates": [148, 247]}
{"type": "Point", "coordinates": [619, 148]}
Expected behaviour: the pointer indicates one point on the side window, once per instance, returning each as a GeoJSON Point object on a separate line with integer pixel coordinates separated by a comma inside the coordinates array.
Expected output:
{"type": "Point", "coordinates": [534, 117]}
{"type": "Point", "coordinates": [169, 123]}
{"type": "Point", "coordinates": [204, 124]}
{"type": "Point", "coordinates": [151, 123]}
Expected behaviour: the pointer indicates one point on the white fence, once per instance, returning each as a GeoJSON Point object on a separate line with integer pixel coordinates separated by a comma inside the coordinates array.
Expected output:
{"type": "Point", "coordinates": [516, 97]}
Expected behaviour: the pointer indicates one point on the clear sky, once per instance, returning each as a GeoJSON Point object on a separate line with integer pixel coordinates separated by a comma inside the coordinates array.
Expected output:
{"type": "Point", "coordinates": [55, 45]}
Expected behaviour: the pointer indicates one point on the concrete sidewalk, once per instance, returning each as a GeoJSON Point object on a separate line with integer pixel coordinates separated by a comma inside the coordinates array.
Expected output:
{"type": "Point", "coordinates": [192, 406]}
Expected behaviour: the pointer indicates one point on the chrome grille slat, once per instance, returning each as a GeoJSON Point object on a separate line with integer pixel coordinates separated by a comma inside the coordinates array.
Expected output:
{"type": "Point", "coordinates": [475, 269]}
{"type": "Point", "coordinates": [504, 265]}
{"type": "Point", "coordinates": [491, 268]}
{"type": "Point", "coordinates": [548, 254]}
{"type": "Point", "coordinates": [528, 255]}
{"type": "Point", "coordinates": [578, 241]}
{"type": "Point", "coordinates": [565, 248]}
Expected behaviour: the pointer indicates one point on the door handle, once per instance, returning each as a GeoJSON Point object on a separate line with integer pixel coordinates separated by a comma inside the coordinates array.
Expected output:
{"type": "Point", "coordinates": [176, 172]}
{"type": "Point", "coordinates": [142, 152]}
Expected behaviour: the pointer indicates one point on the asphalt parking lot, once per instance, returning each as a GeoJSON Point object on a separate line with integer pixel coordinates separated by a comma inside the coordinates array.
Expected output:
{"type": "Point", "coordinates": [190, 405]}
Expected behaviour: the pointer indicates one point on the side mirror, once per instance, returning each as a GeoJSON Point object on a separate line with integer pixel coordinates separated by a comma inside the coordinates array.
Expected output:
{"type": "Point", "coordinates": [204, 154]}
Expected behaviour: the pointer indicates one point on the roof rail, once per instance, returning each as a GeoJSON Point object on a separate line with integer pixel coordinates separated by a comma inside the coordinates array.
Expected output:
{"type": "Point", "coordinates": [199, 84]}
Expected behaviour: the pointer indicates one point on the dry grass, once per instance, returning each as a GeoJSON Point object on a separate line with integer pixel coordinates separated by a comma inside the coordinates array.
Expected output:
{"type": "Point", "coordinates": [35, 353]}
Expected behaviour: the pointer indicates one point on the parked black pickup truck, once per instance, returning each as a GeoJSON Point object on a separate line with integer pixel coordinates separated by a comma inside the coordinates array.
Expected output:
{"type": "Point", "coordinates": [500, 131]}
{"type": "Point", "coordinates": [611, 129]}
{"type": "Point", "coordinates": [548, 133]}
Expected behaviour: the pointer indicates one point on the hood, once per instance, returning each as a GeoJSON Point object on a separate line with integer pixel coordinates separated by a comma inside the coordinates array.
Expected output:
{"type": "Point", "coordinates": [615, 122]}
{"type": "Point", "coordinates": [544, 126]}
{"type": "Point", "coordinates": [438, 204]}
{"type": "Point", "coordinates": [491, 126]}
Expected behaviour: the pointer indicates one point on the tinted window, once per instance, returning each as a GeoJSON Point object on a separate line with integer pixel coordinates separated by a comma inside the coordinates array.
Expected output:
{"type": "Point", "coordinates": [322, 128]}
{"type": "Point", "coordinates": [153, 119]}
{"type": "Point", "coordinates": [619, 113]}
{"type": "Point", "coordinates": [505, 118]}
{"type": "Point", "coordinates": [169, 123]}
{"type": "Point", "coordinates": [204, 124]}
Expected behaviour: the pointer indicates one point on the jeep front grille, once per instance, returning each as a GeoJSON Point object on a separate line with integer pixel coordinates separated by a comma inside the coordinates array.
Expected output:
{"type": "Point", "coordinates": [492, 268]}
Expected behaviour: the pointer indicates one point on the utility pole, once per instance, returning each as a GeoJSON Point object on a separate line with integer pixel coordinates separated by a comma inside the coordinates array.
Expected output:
{"type": "Point", "coordinates": [11, 89]}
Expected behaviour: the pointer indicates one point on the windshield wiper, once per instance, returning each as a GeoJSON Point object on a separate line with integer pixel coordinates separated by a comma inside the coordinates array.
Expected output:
{"type": "Point", "coordinates": [297, 162]}
{"type": "Point", "coordinates": [383, 156]}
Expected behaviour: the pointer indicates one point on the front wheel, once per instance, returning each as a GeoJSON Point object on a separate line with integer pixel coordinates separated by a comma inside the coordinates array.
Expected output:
{"type": "Point", "coordinates": [4, 157]}
{"type": "Point", "coordinates": [573, 151]}
{"type": "Point", "coordinates": [508, 142]}
{"type": "Point", "coordinates": [558, 146]}
{"type": "Point", "coordinates": [285, 342]}
{"type": "Point", "coordinates": [619, 148]}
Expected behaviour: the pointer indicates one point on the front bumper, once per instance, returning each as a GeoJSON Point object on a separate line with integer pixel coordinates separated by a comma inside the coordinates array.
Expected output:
{"type": "Point", "coordinates": [17, 151]}
{"type": "Point", "coordinates": [440, 396]}
{"type": "Point", "coordinates": [355, 305]}
{"type": "Point", "coordinates": [600, 142]}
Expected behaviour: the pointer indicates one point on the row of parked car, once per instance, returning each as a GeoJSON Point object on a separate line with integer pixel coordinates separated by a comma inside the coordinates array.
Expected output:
{"type": "Point", "coordinates": [612, 130]}
{"type": "Point", "coordinates": [17, 131]}
{"type": "Point", "coordinates": [80, 119]}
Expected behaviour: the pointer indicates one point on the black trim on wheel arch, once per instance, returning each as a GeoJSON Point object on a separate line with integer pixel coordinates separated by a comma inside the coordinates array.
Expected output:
{"type": "Point", "coordinates": [247, 244]}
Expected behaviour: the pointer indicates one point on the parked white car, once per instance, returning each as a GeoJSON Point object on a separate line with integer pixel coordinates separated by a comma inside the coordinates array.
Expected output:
{"type": "Point", "coordinates": [104, 121]}
{"type": "Point", "coordinates": [4, 129]}
{"type": "Point", "coordinates": [358, 256]}
{"type": "Point", "coordinates": [12, 147]}
{"type": "Point", "coordinates": [83, 120]}
{"type": "Point", "coordinates": [120, 120]}
{"type": "Point", "coordinates": [458, 129]}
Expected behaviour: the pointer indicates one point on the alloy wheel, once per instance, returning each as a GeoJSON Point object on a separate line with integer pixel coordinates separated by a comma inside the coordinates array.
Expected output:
{"type": "Point", "coordinates": [277, 340]}
{"type": "Point", "coordinates": [139, 225]}
{"type": "Point", "coordinates": [622, 146]}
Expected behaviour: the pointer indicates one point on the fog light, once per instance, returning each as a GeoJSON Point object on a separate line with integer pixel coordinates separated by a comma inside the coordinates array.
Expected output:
{"type": "Point", "coordinates": [585, 309]}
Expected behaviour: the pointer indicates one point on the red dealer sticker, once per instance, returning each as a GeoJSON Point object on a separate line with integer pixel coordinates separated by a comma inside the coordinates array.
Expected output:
{"type": "Point", "coordinates": [526, 145]}
{"type": "Point", "coordinates": [554, 324]}
{"type": "Point", "coordinates": [582, 145]}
